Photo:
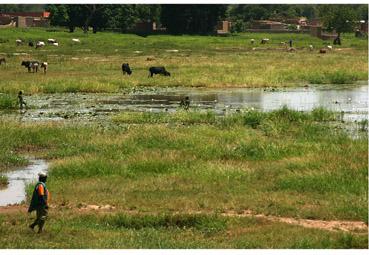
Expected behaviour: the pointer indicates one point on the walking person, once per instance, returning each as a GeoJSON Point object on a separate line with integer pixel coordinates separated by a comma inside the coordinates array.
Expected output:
{"type": "Point", "coordinates": [40, 202]}
{"type": "Point", "coordinates": [21, 100]}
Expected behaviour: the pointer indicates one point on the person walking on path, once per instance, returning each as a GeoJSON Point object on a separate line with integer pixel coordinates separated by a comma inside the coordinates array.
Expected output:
{"type": "Point", "coordinates": [40, 202]}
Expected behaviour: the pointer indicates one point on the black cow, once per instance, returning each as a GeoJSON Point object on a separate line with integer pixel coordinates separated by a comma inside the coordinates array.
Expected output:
{"type": "Point", "coordinates": [31, 65]}
{"type": "Point", "coordinates": [158, 70]}
{"type": "Point", "coordinates": [30, 44]}
{"type": "Point", "coordinates": [126, 69]}
{"type": "Point", "coordinates": [2, 60]}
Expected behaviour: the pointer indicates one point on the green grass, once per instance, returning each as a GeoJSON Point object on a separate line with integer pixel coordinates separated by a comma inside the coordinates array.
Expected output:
{"type": "Point", "coordinates": [8, 102]}
{"type": "Point", "coordinates": [201, 61]}
{"type": "Point", "coordinates": [181, 231]}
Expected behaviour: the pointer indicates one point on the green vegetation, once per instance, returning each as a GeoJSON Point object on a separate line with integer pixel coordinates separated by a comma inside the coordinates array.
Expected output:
{"type": "Point", "coordinates": [3, 181]}
{"type": "Point", "coordinates": [94, 65]}
{"type": "Point", "coordinates": [7, 102]}
{"type": "Point", "coordinates": [170, 177]}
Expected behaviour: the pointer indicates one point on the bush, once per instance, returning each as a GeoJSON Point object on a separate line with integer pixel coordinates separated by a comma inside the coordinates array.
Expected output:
{"type": "Point", "coordinates": [8, 102]}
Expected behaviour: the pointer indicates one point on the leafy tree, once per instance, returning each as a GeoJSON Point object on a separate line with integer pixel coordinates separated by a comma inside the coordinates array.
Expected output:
{"type": "Point", "coordinates": [58, 14]}
{"type": "Point", "coordinates": [340, 18]}
{"type": "Point", "coordinates": [191, 19]}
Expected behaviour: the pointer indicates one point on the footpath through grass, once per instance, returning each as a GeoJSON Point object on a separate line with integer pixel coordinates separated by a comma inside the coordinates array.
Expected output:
{"type": "Point", "coordinates": [282, 163]}
{"type": "Point", "coordinates": [94, 65]}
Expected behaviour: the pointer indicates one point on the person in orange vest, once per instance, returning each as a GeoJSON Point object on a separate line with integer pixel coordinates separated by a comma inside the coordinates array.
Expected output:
{"type": "Point", "coordinates": [40, 202]}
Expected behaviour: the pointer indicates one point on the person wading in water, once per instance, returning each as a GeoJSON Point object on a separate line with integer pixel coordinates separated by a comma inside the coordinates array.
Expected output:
{"type": "Point", "coordinates": [40, 202]}
{"type": "Point", "coordinates": [21, 100]}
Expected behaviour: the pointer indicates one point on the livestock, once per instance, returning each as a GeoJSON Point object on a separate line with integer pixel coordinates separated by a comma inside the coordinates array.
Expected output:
{"type": "Point", "coordinates": [30, 44]}
{"type": "Point", "coordinates": [19, 42]}
{"type": "Point", "coordinates": [322, 51]}
{"type": "Point", "coordinates": [150, 58]}
{"type": "Point", "coordinates": [158, 70]}
{"type": "Point", "coordinates": [252, 41]}
{"type": "Point", "coordinates": [44, 66]}
{"type": "Point", "coordinates": [311, 47]}
{"type": "Point", "coordinates": [76, 40]}
{"type": "Point", "coordinates": [55, 44]}
{"type": "Point", "coordinates": [51, 41]}
{"type": "Point", "coordinates": [2, 60]}
{"type": "Point", "coordinates": [329, 47]}
{"type": "Point", "coordinates": [264, 41]}
{"type": "Point", "coordinates": [33, 64]}
{"type": "Point", "coordinates": [126, 69]}
{"type": "Point", "coordinates": [39, 44]}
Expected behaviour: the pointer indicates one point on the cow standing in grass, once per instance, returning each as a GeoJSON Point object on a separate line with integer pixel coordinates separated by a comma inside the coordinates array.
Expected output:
{"type": "Point", "coordinates": [44, 66]}
{"type": "Point", "coordinates": [126, 69]}
{"type": "Point", "coordinates": [2, 60]}
{"type": "Point", "coordinates": [158, 70]}
{"type": "Point", "coordinates": [31, 65]}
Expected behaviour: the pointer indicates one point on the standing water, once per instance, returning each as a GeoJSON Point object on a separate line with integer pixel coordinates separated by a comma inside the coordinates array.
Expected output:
{"type": "Point", "coordinates": [15, 192]}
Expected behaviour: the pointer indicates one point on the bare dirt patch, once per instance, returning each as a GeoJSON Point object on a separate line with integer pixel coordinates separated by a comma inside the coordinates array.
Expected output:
{"type": "Point", "coordinates": [335, 225]}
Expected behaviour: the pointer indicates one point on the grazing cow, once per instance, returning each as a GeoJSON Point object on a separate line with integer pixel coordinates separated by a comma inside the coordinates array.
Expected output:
{"type": "Point", "coordinates": [322, 51]}
{"type": "Point", "coordinates": [76, 40]}
{"type": "Point", "coordinates": [329, 47]}
{"type": "Point", "coordinates": [44, 66]}
{"type": "Point", "coordinates": [55, 44]}
{"type": "Point", "coordinates": [30, 44]}
{"type": "Point", "coordinates": [311, 47]}
{"type": "Point", "coordinates": [126, 69]}
{"type": "Point", "coordinates": [31, 65]}
{"type": "Point", "coordinates": [2, 60]}
{"type": "Point", "coordinates": [19, 42]}
{"type": "Point", "coordinates": [40, 44]}
{"type": "Point", "coordinates": [264, 41]}
{"type": "Point", "coordinates": [252, 41]}
{"type": "Point", "coordinates": [51, 41]}
{"type": "Point", "coordinates": [158, 70]}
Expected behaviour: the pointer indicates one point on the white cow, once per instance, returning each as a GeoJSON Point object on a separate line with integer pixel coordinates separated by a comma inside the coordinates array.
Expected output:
{"type": "Point", "coordinates": [40, 44]}
{"type": "Point", "coordinates": [51, 41]}
{"type": "Point", "coordinates": [76, 40]}
{"type": "Point", "coordinates": [18, 42]}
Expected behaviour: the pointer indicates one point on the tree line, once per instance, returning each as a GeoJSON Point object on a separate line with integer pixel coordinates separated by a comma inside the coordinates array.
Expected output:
{"type": "Point", "coordinates": [190, 18]}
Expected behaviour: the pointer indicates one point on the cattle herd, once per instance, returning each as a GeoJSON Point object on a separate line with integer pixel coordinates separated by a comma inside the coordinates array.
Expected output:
{"type": "Point", "coordinates": [33, 65]}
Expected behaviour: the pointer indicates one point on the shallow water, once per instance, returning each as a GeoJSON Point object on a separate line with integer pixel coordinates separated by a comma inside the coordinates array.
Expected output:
{"type": "Point", "coordinates": [15, 192]}
{"type": "Point", "coordinates": [351, 100]}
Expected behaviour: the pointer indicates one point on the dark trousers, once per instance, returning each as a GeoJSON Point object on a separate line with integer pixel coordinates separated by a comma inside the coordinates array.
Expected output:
{"type": "Point", "coordinates": [41, 216]}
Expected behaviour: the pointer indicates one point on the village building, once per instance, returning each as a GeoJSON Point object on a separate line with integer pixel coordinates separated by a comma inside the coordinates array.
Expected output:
{"type": "Point", "coordinates": [25, 19]}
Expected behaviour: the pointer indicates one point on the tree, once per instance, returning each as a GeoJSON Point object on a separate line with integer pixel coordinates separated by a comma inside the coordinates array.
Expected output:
{"type": "Point", "coordinates": [340, 18]}
{"type": "Point", "coordinates": [190, 18]}
{"type": "Point", "coordinates": [58, 14]}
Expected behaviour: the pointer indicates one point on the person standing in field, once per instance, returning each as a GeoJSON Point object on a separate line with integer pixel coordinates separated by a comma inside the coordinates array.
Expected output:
{"type": "Point", "coordinates": [21, 100]}
{"type": "Point", "coordinates": [40, 202]}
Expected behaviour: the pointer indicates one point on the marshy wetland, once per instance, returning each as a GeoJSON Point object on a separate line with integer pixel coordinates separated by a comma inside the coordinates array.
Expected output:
{"type": "Point", "coordinates": [264, 158]}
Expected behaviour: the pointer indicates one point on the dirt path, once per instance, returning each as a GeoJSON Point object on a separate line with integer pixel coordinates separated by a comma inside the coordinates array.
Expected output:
{"type": "Point", "coordinates": [335, 225]}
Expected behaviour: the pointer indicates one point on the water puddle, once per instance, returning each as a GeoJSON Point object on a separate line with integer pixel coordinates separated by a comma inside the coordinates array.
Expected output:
{"type": "Point", "coordinates": [15, 192]}
{"type": "Point", "coordinates": [352, 101]}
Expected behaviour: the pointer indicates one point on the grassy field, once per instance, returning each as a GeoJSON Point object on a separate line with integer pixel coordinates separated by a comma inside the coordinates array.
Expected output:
{"type": "Point", "coordinates": [156, 170]}
{"type": "Point", "coordinates": [94, 65]}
